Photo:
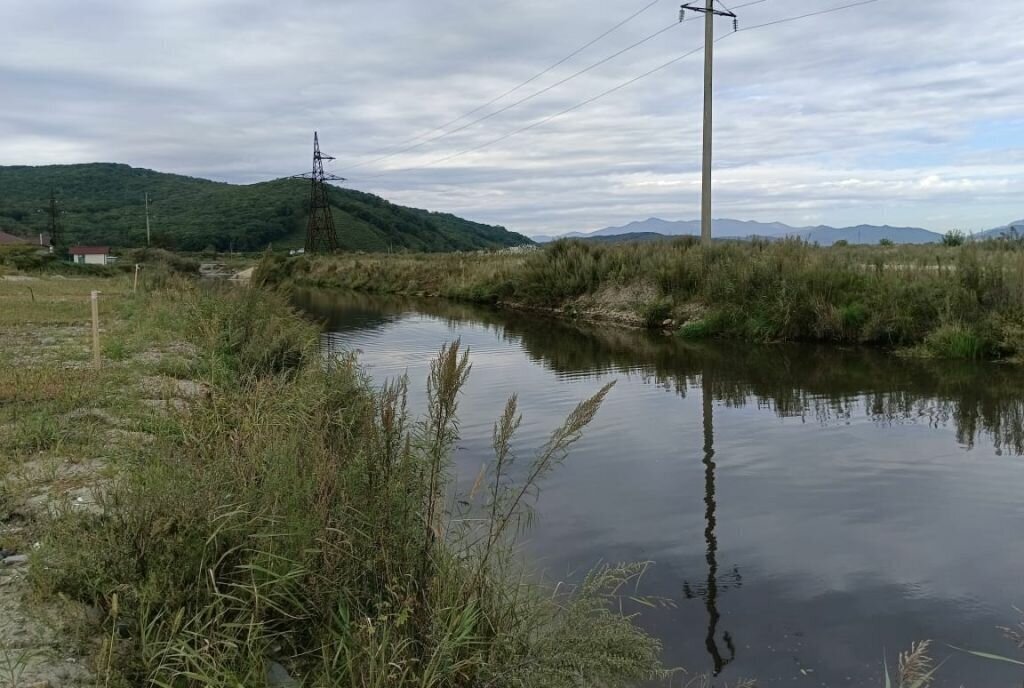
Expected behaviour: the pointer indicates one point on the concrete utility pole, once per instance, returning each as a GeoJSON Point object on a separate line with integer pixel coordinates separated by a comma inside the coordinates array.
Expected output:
{"type": "Point", "coordinates": [709, 13]}
{"type": "Point", "coordinates": [148, 238]}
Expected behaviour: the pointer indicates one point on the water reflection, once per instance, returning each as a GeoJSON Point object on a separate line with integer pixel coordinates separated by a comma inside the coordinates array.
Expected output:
{"type": "Point", "coordinates": [710, 592]}
{"type": "Point", "coordinates": [838, 482]}
{"type": "Point", "coordinates": [825, 385]}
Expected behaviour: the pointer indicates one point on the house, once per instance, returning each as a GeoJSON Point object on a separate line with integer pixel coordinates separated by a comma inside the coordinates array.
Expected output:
{"type": "Point", "coordinates": [91, 255]}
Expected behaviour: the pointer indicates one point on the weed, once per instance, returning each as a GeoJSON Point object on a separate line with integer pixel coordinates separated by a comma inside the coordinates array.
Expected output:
{"type": "Point", "coordinates": [955, 340]}
{"type": "Point", "coordinates": [656, 312]}
{"type": "Point", "coordinates": [14, 663]}
{"type": "Point", "coordinates": [298, 517]}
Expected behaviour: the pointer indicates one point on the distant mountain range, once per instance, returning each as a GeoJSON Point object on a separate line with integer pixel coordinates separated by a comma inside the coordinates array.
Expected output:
{"type": "Point", "coordinates": [1005, 229]}
{"type": "Point", "coordinates": [740, 229]}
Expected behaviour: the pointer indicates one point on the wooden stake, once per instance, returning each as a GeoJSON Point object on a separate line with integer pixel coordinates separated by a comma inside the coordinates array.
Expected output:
{"type": "Point", "coordinates": [96, 360]}
{"type": "Point", "coordinates": [135, 288]}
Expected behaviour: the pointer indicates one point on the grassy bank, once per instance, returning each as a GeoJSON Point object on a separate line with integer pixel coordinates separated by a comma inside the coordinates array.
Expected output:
{"type": "Point", "coordinates": [240, 511]}
{"type": "Point", "coordinates": [65, 430]}
{"type": "Point", "coordinates": [958, 302]}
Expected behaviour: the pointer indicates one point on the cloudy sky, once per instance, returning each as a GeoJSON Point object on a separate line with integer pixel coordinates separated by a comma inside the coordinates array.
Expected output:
{"type": "Point", "coordinates": [906, 112]}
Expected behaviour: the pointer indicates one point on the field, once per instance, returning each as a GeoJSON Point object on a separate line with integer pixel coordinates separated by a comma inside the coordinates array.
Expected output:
{"type": "Point", "coordinates": [956, 301]}
{"type": "Point", "coordinates": [66, 430]}
{"type": "Point", "coordinates": [217, 505]}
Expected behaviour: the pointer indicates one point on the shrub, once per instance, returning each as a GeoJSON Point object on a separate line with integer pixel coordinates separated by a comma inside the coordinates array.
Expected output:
{"type": "Point", "coordinates": [159, 259]}
{"type": "Point", "coordinates": [957, 341]}
{"type": "Point", "coordinates": [954, 238]}
{"type": "Point", "coordinates": [655, 313]}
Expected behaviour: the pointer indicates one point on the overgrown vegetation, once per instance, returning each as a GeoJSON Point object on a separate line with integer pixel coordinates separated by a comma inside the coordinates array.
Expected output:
{"type": "Point", "coordinates": [104, 204]}
{"type": "Point", "coordinates": [295, 519]}
{"type": "Point", "coordinates": [22, 258]}
{"type": "Point", "coordinates": [32, 261]}
{"type": "Point", "coordinates": [964, 302]}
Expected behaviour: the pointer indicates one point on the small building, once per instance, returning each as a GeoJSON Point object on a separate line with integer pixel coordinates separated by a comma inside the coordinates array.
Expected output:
{"type": "Point", "coordinates": [90, 255]}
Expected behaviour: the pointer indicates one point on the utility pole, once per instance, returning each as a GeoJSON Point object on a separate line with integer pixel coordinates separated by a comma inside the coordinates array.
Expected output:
{"type": "Point", "coordinates": [56, 230]}
{"type": "Point", "coordinates": [709, 13]}
{"type": "Point", "coordinates": [148, 236]}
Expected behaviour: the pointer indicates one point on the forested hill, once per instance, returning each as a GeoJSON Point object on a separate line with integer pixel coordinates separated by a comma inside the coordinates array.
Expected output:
{"type": "Point", "coordinates": [103, 203]}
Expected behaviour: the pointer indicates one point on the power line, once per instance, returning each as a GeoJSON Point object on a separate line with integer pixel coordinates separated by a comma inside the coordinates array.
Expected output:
{"type": "Point", "coordinates": [518, 102]}
{"type": "Point", "coordinates": [615, 89]}
{"type": "Point", "coordinates": [809, 14]}
{"type": "Point", "coordinates": [542, 121]}
{"type": "Point", "coordinates": [538, 75]}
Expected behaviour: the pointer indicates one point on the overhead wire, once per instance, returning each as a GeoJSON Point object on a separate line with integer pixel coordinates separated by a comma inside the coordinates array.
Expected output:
{"type": "Point", "coordinates": [519, 102]}
{"type": "Point", "coordinates": [617, 88]}
{"type": "Point", "coordinates": [538, 75]}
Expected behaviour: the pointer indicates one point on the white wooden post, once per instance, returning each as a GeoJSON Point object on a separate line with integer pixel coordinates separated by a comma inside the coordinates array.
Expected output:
{"type": "Point", "coordinates": [96, 360]}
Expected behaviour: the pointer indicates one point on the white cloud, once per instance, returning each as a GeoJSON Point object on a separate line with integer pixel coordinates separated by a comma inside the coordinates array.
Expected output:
{"type": "Point", "coordinates": [893, 112]}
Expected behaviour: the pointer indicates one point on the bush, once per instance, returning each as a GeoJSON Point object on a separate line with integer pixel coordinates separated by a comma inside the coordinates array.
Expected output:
{"type": "Point", "coordinates": [958, 341]}
{"type": "Point", "coordinates": [160, 259]}
{"type": "Point", "coordinates": [655, 313]}
{"type": "Point", "coordinates": [954, 238]}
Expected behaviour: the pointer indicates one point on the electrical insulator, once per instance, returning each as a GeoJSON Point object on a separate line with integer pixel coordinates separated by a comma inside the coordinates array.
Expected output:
{"type": "Point", "coordinates": [735, 24]}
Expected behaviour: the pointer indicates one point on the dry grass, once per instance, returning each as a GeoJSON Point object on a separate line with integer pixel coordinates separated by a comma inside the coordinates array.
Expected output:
{"type": "Point", "coordinates": [296, 515]}
{"type": "Point", "coordinates": [957, 302]}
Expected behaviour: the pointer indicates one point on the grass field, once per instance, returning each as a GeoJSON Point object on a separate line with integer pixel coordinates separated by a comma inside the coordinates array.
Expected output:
{"type": "Point", "coordinates": [66, 431]}
{"type": "Point", "coordinates": [215, 505]}
{"type": "Point", "coordinates": [957, 302]}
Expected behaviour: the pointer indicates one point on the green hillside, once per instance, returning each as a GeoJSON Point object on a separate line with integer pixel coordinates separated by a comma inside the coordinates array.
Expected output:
{"type": "Point", "coordinates": [103, 204]}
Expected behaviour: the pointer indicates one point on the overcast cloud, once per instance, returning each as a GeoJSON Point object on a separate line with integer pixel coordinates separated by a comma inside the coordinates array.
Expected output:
{"type": "Point", "coordinates": [900, 112]}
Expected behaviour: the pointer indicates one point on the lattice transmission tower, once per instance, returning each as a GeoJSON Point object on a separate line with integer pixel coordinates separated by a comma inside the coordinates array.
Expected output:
{"type": "Point", "coordinates": [321, 236]}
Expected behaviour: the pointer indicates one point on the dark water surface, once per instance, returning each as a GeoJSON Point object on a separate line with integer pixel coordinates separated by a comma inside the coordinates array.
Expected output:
{"type": "Point", "coordinates": [809, 510]}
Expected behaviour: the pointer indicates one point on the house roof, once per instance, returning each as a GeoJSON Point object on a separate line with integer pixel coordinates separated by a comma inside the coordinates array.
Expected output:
{"type": "Point", "coordinates": [89, 250]}
{"type": "Point", "coordinates": [6, 238]}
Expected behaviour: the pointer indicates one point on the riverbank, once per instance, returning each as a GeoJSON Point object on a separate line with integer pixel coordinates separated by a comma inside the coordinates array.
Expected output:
{"type": "Point", "coordinates": [215, 507]}
{"type": "Point", "coordinates": [953, 302]}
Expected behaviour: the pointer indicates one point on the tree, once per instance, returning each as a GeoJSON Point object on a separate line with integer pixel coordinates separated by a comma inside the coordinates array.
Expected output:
{"type": "Point", "coordinates": [954, 238]}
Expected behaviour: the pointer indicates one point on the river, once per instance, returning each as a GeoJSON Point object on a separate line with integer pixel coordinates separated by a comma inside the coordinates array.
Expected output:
{"type": "Point", "coordinates": [809, 511]}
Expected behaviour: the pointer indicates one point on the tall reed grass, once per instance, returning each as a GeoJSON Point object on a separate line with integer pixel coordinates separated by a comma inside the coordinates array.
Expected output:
{"type": "Point", "coordinates": [299, 519]}
{"type": "Point", "coordinates": [957, 301]}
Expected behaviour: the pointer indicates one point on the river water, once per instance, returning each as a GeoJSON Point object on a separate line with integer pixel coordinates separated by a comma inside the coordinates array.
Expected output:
{"type": "Point", "coordinates": [809, 510]}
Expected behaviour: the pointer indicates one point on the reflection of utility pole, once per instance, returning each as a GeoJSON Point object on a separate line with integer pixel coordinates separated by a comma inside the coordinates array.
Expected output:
{"type": "Point", "coordinates": [710, 593]}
